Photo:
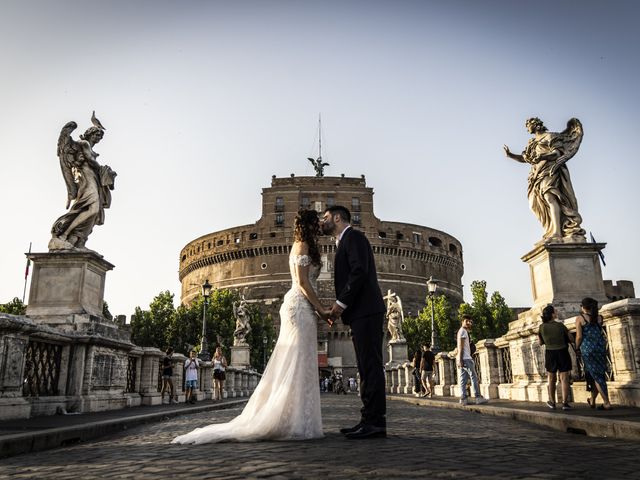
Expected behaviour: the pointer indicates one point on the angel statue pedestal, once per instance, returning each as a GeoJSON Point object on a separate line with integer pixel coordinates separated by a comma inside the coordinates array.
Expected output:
{"type": "Point", "coordinates": [398, 352]}
{"type": "Point", "coordinates": [240, 357]}
{"type": "Point", "coordinates": [67, 292]}
{"type": "Point", "coordinates": [563, 274]}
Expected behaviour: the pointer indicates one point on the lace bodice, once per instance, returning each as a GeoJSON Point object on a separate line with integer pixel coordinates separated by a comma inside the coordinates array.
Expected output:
{"type": "Point", "coordinates": [303, 260]}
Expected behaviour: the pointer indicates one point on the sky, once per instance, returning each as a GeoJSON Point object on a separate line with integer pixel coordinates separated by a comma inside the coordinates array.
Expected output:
{"type": "Point", "coordinates": [203, 101]}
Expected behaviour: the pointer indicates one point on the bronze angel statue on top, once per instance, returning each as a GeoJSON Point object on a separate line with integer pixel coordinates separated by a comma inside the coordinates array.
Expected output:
{"type": "Point", "coordinates": [551, 195]}
{"type": "Point", "coordinates": [89, 186]}
{"type": "Point", "coordinates": [318, 165]}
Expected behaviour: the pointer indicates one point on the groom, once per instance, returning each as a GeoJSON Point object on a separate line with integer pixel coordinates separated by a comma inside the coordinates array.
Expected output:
{"type": "Point", "coordinates": [360, 304]}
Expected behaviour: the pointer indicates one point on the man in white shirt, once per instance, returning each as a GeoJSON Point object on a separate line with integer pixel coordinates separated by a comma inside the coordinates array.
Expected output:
{"type": "Point", "coordinates": [466, 365]}
{"type": "Point", "coordinates": [191, 377]}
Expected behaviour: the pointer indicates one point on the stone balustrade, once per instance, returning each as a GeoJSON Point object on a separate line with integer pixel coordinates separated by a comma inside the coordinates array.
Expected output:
{"type": "Point", "coordinates": [45, 370]}
{"type": "Point", "coordinates": [512, 366]}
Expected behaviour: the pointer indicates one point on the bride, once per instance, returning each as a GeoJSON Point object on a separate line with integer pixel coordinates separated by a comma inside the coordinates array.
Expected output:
{"type": "Point", "coordinates": [286, 403]}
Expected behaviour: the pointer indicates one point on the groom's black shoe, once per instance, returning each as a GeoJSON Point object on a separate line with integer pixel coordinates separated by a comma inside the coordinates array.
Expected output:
{"type": "Point", "coordinates": [367, 431]}
{"type": "Point", "coordinates": [355, 428]}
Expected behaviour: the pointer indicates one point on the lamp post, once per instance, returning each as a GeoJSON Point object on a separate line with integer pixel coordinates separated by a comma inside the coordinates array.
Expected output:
{"type": "Point", "coordinates": [264, 350]}
{"type": "Point", "coordinates": [432, 286]}
{"type": "Point", "coordinates": [204, 349]}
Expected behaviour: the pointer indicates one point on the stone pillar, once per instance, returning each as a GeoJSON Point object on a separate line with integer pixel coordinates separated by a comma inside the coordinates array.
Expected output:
{"type": "Point", "coordinates": [563, 274]}
{"type": "Point", "coordinates": [393, 373]}
{"type": "Point", "coordinates": [177, 361]}
{"type": "Point", "coordinates": [230, 383]}
{"type": "Point", "coordinates": [398, 352]}
{"type": "Point", "coordinates": [408, 378]}
{"type": "Point", "coordinates": [150, 376]}
{"type": "Point", "coordinates": [245, 383]}
{"type": "Point", "coordinates": [401, 384]}
{"type": "Point", "coordinates": [238, 383]}
{"type": "Point", "coordinates": [446, 370]}
{"type": "Point", "coordinates": [205, 384]}
{"type": "Point", "coordinates": [66, 283]}
{"type": "Point", "coordinates": [487, 356]}
{"type": "Point", "coordinates": [622, 323]}
{"type": "Point", "coordinates": [12, 373]}
{"type": "Point", "coordinates": [388, 380]}
{"type": "Point", "coordinates": [240, 356]}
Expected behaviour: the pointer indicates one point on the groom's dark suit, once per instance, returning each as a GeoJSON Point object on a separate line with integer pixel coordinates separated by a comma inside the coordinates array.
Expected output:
{"type": "Point", "coordinates": [357, 287]}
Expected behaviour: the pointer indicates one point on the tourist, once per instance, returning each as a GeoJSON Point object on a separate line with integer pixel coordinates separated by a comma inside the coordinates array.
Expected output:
{"type": "Point", "coordinates": [191, 377]}
{"type": "Point", "coordinates": [426, 370]}
{"type": "Point", "coordinates": [591, 341]}
{"type": "Point", "coordinates": [415, 363]}
{"type": "Point", "coordinates": [465, 363]}
{"type": "Point", "coordinates": [556, 339]}
{"type": "Point", "coordinates": [167, 374]}
{"type": "Point", "coordinates": [219, 367]}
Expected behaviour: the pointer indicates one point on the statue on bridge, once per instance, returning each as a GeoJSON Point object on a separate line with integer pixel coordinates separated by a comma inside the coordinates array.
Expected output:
{"type": "Point", "coordinates": [89, 186]}
{"type": "Point", "coordinates": [395, 317]}
{"type": "Point", "coordinates": [243, 327]}
{"type": "Point", "coordinates": [551, 195]}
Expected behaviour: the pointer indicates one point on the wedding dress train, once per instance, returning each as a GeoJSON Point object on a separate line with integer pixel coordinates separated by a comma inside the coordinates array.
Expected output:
{"type": "Point", "coordinates": [286, 403]}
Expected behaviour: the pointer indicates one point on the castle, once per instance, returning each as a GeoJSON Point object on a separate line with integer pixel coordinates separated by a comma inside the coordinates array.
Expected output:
{"type": "Point", "coordinates": [253, 259]}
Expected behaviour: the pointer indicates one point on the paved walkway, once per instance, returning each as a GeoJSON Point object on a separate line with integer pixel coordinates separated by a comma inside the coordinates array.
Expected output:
{"type": "Point", "coordinates": [424, 441]}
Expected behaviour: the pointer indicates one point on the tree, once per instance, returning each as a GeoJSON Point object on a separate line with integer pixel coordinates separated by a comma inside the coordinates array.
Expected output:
{"type": "Point", "coordinates": [417, 330]}
{"type": "Point", "coordinates": [14, 307]}
{"type": "Point", "coordinates": [149, 327]}
{"type": "Point", "coordinates": [491, 318]}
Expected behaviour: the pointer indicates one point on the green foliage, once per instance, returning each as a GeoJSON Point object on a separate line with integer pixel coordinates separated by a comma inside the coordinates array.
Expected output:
{"type": "Point", "coordinates": [164, 325]}
{"type": "Point", "coordinates": [14, 307]}
{"type": "Point", "coordinates": [417, 330]}
{"type": "Point", "coordinates": [491, 317]}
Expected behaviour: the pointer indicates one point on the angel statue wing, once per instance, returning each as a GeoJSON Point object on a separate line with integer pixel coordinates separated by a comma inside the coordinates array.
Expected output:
{"type": "Point", "coordinates": [400, 307]}
{"type": "Point", "coordinates": [568, 141]}
{"type": "Point", "coordinates": [67, 150]}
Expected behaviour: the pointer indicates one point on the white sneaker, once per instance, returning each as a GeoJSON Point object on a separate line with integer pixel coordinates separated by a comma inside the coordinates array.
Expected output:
{"type": "Point", "coordinates": [464, 402]}
{"type": "Point", "coordinates": [481, 400]}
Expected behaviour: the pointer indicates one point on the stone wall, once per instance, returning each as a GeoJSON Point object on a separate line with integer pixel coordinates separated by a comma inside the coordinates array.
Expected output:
{"type": "Point", "coordinates": [45, 370]}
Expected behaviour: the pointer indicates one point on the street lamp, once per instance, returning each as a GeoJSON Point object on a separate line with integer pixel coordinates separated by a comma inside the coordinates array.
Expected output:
{"type": "Point", "coordinates": [432, 286]}
{"type": "Point", "coordinates": [204, 349]}
{"type": "Point", "coordinates": [264, 350]}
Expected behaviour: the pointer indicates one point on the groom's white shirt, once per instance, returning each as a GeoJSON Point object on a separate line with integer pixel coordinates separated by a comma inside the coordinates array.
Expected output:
{"type": "Point", "coordinates": [342, 305]}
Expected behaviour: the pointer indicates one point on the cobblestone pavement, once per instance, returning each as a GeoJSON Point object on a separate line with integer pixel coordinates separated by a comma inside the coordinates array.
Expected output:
{"type": "Point", "coordinates": [423, 442]}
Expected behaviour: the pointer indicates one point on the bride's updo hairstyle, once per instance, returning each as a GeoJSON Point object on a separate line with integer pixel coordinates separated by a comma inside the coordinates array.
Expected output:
{"type": "Point", "coordinates": [306, 227]}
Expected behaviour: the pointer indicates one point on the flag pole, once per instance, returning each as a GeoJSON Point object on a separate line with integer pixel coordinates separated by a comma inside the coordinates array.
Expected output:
{"type": "Point", "coordinates": [26, 275]}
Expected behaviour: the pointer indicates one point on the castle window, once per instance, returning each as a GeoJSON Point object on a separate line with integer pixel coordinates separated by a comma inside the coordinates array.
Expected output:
{"type": "Point", "coordinates": [263, 266]}
{"type": "Point", "coordinates": [220, 243]}
{"type": "Point", "coordinates": [382, 234]}
{"type": "Point", "coordinates": [279, 219]}
{"type": "Point", "coordinates": [318, 207]}
{"type": "Point", "coordinates": [403, 266]}
{"type": "Point", "coordinates": [453, 249]}
{"type": "Point", "coordinates": [417, 238]}
{"type": "Point", "coordinates": [253, 236]}
{"type": "Point", "coordinates": [399, 235]}
{"type": "Point", "coordinates": [331, 201]}
{"type": "Point", "coordinates": [305, 203]}
{"type": "Point", "coordinates": [435, 242]}
{"type": "Point", "coordinates": [279, 204]}
{"type": "Point", "coordinates": [356, 220]}
{"type": "Point", "coordinates": [236, 240]}
{"type": "Point", "coordinates": [184, 257]}
{"type": "Point", "coordinates": [209, 245]}
{"type": "Point", "coordinates": [355, 204]}
{"type": "Point", "coordinates": [272, 234]}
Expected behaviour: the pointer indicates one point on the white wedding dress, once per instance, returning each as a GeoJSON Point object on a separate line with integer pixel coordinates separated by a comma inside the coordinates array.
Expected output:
{"type": "Point", "coordinates": [286, 403]}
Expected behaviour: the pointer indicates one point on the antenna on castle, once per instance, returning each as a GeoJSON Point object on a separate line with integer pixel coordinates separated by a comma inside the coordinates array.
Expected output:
{"type": "Point", "coordinates": [318, 164]}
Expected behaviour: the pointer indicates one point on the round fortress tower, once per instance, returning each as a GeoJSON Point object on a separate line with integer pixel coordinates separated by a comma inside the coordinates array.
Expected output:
{"type": "Point", "coordinates": [253, 258]}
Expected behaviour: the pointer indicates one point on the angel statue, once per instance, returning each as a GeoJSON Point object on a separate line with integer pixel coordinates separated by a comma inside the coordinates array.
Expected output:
{"type": "Point", "coordinates": [551, 196]}
{"type": "Point", "coordinates": [243, 328]}
{"type": "Point", "coordinates": [318, 165]}
{"type": "Point", "coordinates": [89, 186]}
{"type": "Point", "coordinates": [395, 317]}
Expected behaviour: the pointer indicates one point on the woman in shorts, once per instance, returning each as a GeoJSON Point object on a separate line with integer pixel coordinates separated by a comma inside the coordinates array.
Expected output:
{"type": "Point", "coordinates": [556, 338]}
{"type": "Point", "coordinates": [219, 366]}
